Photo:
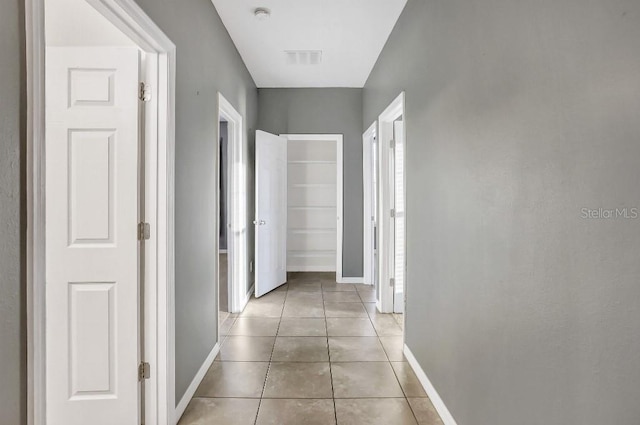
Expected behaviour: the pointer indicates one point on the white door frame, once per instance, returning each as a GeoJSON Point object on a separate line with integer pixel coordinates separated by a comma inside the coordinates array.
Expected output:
{"type": "Point", "coordinates": [338, 138]}
{"type": "Point", "coordinates": [385, 223]}
{"type": "Point", "coordinates": [159, 195]}
{"type": "Point", "coordinates": [367, 185]}
{"type": "Point", "coordinates": [237, 256]}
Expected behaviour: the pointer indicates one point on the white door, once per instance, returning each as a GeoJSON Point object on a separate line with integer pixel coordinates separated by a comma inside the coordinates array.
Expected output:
{"type": "Point", "coordinates": [398, 222]}
{"type": "Point", "coordinates": [271, 212]}
{"type": "Point", "coordinates": [91, 238]}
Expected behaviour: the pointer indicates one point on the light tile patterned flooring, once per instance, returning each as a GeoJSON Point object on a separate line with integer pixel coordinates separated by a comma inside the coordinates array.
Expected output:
{"type": "Point", "coordinates": [312, 352]}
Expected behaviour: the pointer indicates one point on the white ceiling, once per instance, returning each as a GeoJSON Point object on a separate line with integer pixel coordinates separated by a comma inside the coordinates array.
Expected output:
{"type": "Point", "coordinates": [350, 33]}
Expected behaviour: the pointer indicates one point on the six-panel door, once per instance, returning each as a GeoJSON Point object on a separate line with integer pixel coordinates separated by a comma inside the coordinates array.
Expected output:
{"type": "Point", "coordinates": [91, 240]}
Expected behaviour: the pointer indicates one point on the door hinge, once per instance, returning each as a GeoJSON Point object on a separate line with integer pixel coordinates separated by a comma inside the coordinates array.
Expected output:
{"type": "Point", "coordinates": [392, 282]}
{"type": "Point", "coordinates": [144, 231]}
{"type": "Point", "coordinates": [392, 144]}
{"type": "Point", "coordinates": [144, 371]}
{"type": "Point", "coordinates": [392, 213]}
{"type": "Point", "coordinates": [144, 93]}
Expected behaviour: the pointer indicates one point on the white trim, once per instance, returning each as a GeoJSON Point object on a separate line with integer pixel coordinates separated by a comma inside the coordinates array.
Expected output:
{"type": "Point", "coordinates": [385, 124]}
{"type": "Point", "coordinates": [237, 258]}
{"type": "Point", "coordinates": [435, 398]}
{"type": "Point", "coordinates": [353, 280]}
{"type": "Point", "coordinates": [367, 188]}
{"type": "Point", "coordinates": [193, 386]}
{"type": "Point", "coordinates": [338, 138]}
{"type": "Point", "coordinates": [247, 296]}
{"type": "Point", "coordinates": [159, 193]}
{"type": "Point", "coordinates": [222, 251]}
{"type": "Point", "coordinates": [36, 325]}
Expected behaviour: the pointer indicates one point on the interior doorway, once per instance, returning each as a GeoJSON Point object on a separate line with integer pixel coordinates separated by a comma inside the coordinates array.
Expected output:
{"type": "Point", "coordinates": [391, 209]}
{"type": "Point", "coordinates": [94, 202]}
{"type": "Point", "coordinates": [223, 269]}
{"type": "Point", "coordinates": [299, 206]}
{"type": "Point", "coordinates": [99, 207]}
{"type": "Point", "coordinates": [314, 203]}
{"type": "Point", "coordinates": [370, 210]}
{"type": "Point", "coordinates": [231, 257]}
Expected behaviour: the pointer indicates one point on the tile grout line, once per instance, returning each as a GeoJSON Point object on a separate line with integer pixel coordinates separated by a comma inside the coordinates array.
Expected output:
{"type": "Point", "coordinates": [326, 328]}
{"type": "Point", "coordinates": [266, 376]}
{"type": "Point", "coordinates": [406, 399]}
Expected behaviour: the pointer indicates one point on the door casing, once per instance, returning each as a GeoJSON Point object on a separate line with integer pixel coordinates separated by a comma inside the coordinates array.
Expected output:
{"type": "Point", "coordinates": [385, 221]}
{"type": "Point", "coordinates": [237, 254]}
{"type": "Point", "coordinates": [368, 144]}
{"type": "Point", "coordinates": [159, 193]}
{"type": "Point", "coordinates": [338, 138]}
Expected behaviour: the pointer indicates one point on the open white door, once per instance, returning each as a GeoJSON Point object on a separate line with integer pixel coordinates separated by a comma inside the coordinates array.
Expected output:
{"type": "Point", "coordinates": [398, 227]}
{"type": "Point", "coordinates": [92, 294]}
{"type": "Point", "coordinates": [271, 212]}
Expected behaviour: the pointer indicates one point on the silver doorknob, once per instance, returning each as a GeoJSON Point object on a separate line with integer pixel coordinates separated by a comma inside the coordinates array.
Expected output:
{"type": "Point", "coordinates": [259, 223]}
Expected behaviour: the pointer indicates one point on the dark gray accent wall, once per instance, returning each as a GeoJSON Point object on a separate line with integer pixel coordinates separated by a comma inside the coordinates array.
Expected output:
{"type": "Point", "coordinates": [519, 115]}
{"type": "Point", "coordinates": [13, 393]}
{"type": "Point", "coordinates": [328, 111]}
{"type": "Point", "coordinates": [207, 62]}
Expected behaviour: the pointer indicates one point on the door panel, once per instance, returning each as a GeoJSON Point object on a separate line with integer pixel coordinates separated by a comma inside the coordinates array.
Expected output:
{"type": "Point", "coordinates": [92, 247]}
{"type": "Point", "coordinates": [271, 212]}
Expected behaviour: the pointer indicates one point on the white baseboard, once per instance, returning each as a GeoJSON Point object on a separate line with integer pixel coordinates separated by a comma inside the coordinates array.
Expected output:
{"type": "Point", "coordinates": [191, 390]}
{"type": "Point", "coordinates": [444, 413]}
{"type": "Point", "coordinates": [350, 280]}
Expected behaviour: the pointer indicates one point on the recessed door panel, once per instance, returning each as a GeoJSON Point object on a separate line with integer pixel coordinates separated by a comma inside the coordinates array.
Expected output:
{"type": "Point", "coordinates": [92, 339]}
{"type": "Point", "coordinates": [91, 186]}
{"type": "Point", "coordinates": [91, 87]}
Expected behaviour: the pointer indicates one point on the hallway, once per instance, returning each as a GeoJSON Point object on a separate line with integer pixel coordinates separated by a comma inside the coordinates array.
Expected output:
{"type": "Point", "coordinates": [311, 352]}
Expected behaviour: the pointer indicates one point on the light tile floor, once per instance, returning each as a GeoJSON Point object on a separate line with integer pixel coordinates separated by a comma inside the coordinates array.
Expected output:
{"type": "Point", "coordinates": [312, 352]}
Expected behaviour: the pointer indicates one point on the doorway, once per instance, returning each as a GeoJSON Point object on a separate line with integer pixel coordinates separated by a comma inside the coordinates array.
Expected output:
{"type": "Point", "coordinates": [391, 209]}
{"type": "Point", "coordinates": [95, 199]}
{"type": "Point", "coordinates": [102, 147]}
{"type": "Point", "coordinates": [231, 257]}
{"type": "Point", "coordinates": [299, 198]}
{"type": "Point", "coordinates": [223, 186]}
{"type": "Point", "coordinates": [314, 203]}
{"type": "Point", "coordinates": [370, 211]}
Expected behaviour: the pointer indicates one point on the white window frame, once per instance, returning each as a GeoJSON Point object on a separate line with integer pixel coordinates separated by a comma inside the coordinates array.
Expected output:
{"type": "Point", "coordinates": [160, 54]}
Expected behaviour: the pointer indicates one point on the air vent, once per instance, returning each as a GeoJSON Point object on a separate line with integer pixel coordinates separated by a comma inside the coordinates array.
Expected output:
{"type": "Point", "coordinates": [304, 57]}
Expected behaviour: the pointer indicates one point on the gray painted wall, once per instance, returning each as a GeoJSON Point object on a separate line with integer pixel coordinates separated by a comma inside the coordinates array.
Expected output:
{"type": "Point", "coordinates": [519, 114]}
{"type": "Point", "coordinates": [12, 145]}
{"type": "Point", "coordinates": [326, 110]}
{"type": "Point", "coordinates": [208, 62]}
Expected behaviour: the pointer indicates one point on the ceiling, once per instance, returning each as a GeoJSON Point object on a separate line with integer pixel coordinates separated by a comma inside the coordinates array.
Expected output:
{"type": "Point", "coordinates": [350, 34]}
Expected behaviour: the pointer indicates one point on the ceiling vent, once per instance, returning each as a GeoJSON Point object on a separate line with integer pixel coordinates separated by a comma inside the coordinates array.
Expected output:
{"type": "Point", "coordinates": [304, 57]}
